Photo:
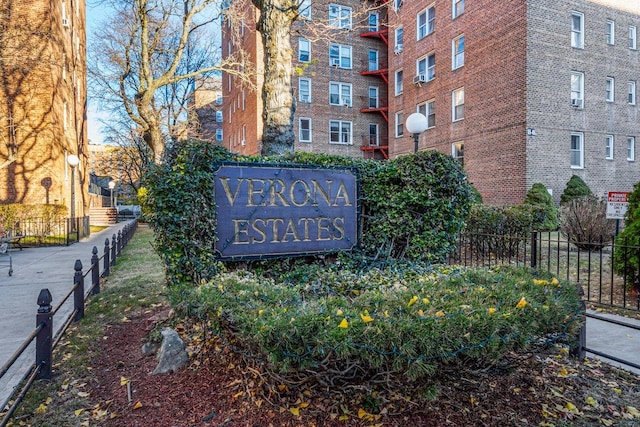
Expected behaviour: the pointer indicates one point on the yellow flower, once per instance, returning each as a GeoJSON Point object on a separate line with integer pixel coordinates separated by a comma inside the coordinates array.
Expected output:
{"type": "Point", "coordinates": [540, 282]}
{"type": "Point", "coordinates": [386, 313]}
{"type": "Point", "coordinates": [492, 310]}
{"type": "Point", "coordinates": [420, 313]}
{"type": "Point", "coordinates": [440, 313]}
{"type": "Point", "coordinates": [260, 312]}
{"type": "Point", "coordinates": [412, 301]}
{"type": "Point", "coordinates": [480, 289]}
{"type": "Point", "coordinates": [555, 282]}
{"type": "Point", "coordinates": [344, 324]}
{"type": "Point", "coordinates": [426, 300]}
{"type": "Point", "coordinates": [522, 303]}
{"type": "Point", "coordinates": [366, 319]}
{"type": "Point", "coordinates": [339, 312]}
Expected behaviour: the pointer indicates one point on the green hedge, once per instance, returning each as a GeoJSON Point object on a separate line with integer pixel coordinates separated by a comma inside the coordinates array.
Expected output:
{"type": "Point", "coordinates": [403, 322]}
{"type": "Point", "coordinates": [413, 207]}
{"type": "Point", "coordinates": [12, 214]}
{"type": "Point", "coordinates": [626, 261]}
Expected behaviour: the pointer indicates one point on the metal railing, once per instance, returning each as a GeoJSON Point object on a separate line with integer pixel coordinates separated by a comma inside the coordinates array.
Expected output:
{"type": "Point", "coordinates": [43, 336]}
{"type": "Point", "coordinates": [37, 232]}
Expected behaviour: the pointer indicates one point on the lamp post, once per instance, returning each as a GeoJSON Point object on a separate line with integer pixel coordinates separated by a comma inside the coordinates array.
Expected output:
{"type": "Point", "coordinates": [416, 124]}
{"type": "Point", "coordinates": [73, 161]}
{"type": "Point", "coordinates": [112, 185]}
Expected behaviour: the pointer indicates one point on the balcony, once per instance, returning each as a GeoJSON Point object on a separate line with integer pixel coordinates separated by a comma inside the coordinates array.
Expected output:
{"type": "Point", "coordinates": [381, 33]}
{"type": "Point", "coordinates": [375, 148]}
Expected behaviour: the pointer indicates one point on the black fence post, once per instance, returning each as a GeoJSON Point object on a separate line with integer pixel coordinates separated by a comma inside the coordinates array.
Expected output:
{"type": "Point", "coordinates": [78, 292]}
{"type": "Point", "coordinates": [44, 339]}
{"type": "Point", "coordinates": [119, 242]}
{"type": "Point", "coordinates": [107, 263]}
{"type": "Point", "coordinates": [113, 249]}
{"type": "Point", "coordinates": [95, 272]}
{"type": "Point", "coordinates": [534, 249]}
{"type": "Point", "coordinates": [579, 349]}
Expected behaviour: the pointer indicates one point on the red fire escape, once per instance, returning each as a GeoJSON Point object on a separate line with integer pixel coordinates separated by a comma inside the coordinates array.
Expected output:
{"type": "Point", "coordinates": [375, 148]}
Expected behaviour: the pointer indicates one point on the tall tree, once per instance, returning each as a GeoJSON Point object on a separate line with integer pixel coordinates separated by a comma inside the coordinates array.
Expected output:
{"type": "Point", "coordinates": [147, 50]}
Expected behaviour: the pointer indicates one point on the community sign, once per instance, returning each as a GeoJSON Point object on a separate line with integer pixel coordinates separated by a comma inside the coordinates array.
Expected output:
{"type": "Point", "coordinates": [617, 202]}
{"type": "Point", "coordinates": [267, 211]}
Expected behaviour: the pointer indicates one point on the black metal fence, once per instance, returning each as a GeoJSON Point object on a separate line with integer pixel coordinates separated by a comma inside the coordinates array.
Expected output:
{"type": "Point", "coordinates": [43, 333]}
{"type": "Point", "coordinates": [37, 232]}
{"type": "Point", "coordinates": [589, 263]}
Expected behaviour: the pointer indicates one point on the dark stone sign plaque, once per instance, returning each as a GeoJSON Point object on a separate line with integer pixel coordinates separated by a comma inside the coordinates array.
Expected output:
{"type": "Point", "coordinates": [272, 210]}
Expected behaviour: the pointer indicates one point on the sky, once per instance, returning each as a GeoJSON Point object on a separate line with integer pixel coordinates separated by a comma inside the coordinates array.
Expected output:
{"type": "Point", "coordinates": [96, 13]}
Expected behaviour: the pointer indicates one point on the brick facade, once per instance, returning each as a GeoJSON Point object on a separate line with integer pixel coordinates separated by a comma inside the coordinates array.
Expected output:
{"type": "Point", "coordinates": [516, 75]}
{"type": "Point", "coordinates": [43, 101]}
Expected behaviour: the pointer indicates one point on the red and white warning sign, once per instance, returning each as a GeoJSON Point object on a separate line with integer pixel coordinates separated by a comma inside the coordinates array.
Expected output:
{"type": "Point", "coordinates": [617, 202]}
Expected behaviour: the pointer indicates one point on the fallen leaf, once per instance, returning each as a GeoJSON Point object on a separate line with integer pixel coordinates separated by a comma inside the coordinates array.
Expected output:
{"type": "Point", "coordinates": [138, 405]}
{"type": "Point", "coordinates": [78, 412]}
{"type": "Point", "coordinates": [295, 411]}
{"type": "Point", "coordinates": [123, 381]}
{"type": "Point", "coordinates": [366, 319]}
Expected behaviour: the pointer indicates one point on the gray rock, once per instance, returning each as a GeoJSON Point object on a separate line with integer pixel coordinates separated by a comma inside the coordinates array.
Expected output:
{"type": "Point", "coordinates": [172, 354]}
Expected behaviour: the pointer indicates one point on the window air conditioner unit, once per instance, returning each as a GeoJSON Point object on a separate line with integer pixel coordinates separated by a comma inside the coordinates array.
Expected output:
{"type": "Point", "coordinates": [65, 22]}
{"type": "Point", "coordinates": [335, 62]}
{"type": "Point", "coordinates": [305, 99]}
{"type": "Point", "coordinates": [346, 103]}
{"type": "Point", "coordinates": [243, 142]}
{"type": "Point", "coordinates": [420, 78]}
{"type": "Point", "coordinates": [397, 49]}
{"type": "Point", "coordinates": [575, 102]}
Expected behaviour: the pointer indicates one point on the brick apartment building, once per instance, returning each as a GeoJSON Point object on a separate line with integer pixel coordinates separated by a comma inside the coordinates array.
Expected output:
{"type": "Point", "coordinates": [42, 101]}
{"type": "Point", "coordinates": [521, 91]}
{"type": "Point", "coordinates": [207, 109]}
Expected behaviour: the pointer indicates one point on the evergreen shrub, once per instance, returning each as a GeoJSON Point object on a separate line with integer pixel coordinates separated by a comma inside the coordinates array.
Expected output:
{"type": "Point", "coordinates": [575, 189]}
{"type": "Point", "coordinates": [539, 196]}
{"type": "Point", "coordinates": [626, 260]}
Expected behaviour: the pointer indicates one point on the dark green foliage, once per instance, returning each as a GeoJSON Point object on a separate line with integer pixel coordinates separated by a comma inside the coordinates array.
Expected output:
{"type": "Point", "coordinates": [500, 230]}
{"type": "Point", "coordinates": [575, 189]}
{"type": "Point", "coordinates": [539, 196]}
{"type": "Point", "coordinates": [584, 222]}
{"type": "Point", "coordinates": [413, 207]}
{"type": "Point", "coordinates": [626, 261]}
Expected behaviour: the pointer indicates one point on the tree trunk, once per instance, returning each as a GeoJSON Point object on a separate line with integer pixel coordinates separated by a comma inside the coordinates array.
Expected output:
{"type": "Point", "coordinates": [275, 22]}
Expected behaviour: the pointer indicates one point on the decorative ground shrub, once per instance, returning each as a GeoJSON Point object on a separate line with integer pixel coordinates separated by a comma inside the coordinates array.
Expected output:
{"type": "Point", "coordinates": [539, 196]}
{"type": "Point", "coordinates": [575, 189]}
{"type": "Point", "coordinates": [340, 326]}
{"type": "Point", "coordinates": [500, 230]}
{"type": "Point", "coordinates": [626, 261]}
{"type": "Point", "coordinates": [584, 223]}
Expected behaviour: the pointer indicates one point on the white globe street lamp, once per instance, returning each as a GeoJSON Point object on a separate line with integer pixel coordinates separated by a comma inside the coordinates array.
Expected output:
{"type": "Point", "coordinates": [416, 124]}
{"type": "Point", "coordinates": [73, 161]}
{"type": "Point", "coordinates": [112, 185]}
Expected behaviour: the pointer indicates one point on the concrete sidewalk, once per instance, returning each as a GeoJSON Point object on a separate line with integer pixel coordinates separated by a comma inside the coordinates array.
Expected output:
{"type": "Point", "coordinates": [35, 269]}
{"type": "Point", "coordinates": [614, 340]}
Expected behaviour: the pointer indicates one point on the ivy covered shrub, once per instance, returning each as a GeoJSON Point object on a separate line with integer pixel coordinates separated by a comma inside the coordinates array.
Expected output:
{"type": "Point", "coordinates": [49, 217]}
{"type": "Point", "coordinates": [501, 230]}
{"type": "Point", "coordinates": [575, 189]}
{"type": "Point", "coordinates": [413, 207]}
{"type": "Point", "coordinates": [539, 196]}
{"type": "Point", "coordinates": [626, 260]}
{"type": "Point", "coordinates": [339, 325]}
{"type": "Point", "coordinates": [584, 223]}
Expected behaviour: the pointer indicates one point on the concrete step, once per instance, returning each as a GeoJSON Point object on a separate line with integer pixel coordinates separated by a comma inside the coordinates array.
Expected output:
{"type": "Point", "coordinates": [103, 216]}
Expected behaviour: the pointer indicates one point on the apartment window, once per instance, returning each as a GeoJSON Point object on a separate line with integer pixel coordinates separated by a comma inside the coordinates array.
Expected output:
{"type": "Point", "coordinates": [219, 116]}
{"type": "Point", "coordinates": [631, 148]}
{"type": "Point", "coordinates": [304, 129]}
{"type": "Point", "coordinates": [65, 115]}
{"type": "Point", "coordinates": [457, 104]}
{"type": "Point", "coordinates": [304, 50]}
{"type": "Point", "coordinates": [340, 94]}
{"type": "Point", "coordinates": [373, 97]}
{"type": "Point", "coordinates": [426, 67]}
{"type": "Point", "coordinates": [304, 90]}
{"type": "Point", "coordinates": [218, 134]}
{"type": "Point", "coordinates": [397, 4]}
{"type": "Point", "coordinates": [339, 132]}
{"type": "Point", "coordinates": [577, 150]}
{"type": "Point", "coordinates": [426, 22]}
{"type": "Point", "coordinates": [457, 52]}
{"type": "Point", "coordinates": [610, 30]}
{"type": "Point", "coordinates": [608, 147]}
{"type": "Point", "coordinates": [577, 89]}
{"type": "Point", "coordinates": [399, 85]}
{"type": "Point", "coordinates": [609, 89]}
{"type": "Point", "coordinates": [65, 18]}
{"type": "Point", "coordinates": [64, 66]}
{"type": "Point", "coordinates": [244, 135]}
{"type": "Point", "coordinates": [428, 110]}
{"type": "Point", "coordinates": [457, 8]}
{"type": "Point", "coordinates": [304, 9]}
{"type": "Point", "coordinates": [373, 60]}
{"type": "Point", "coordinates": [399, 41]}
{"type": "Point", "coordinates": [457, 151]}
{"type": "Point", "coordinates": [374, 21]}
{"type": "Point", "coordinates": [340, 55]}
{"type": "Point", "coordinates": [632, 93]}
{"type": "Point", "coordinates": [339, 16]}
{"type": "Point", "coordinates": [399, 125]}
{"type": "Point", "coordinates": [244, 99]}
{"type": "Point", "coordinates": [219, 100]}
{"type": "Point", "coordinates": [577, 30]}
{"type": "Point", "coordinates": [632, 37]}
{"type": "Point", "coordinates": [374, 136]}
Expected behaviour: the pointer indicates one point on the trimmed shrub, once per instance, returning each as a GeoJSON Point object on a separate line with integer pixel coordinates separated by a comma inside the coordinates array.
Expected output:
{"type": "Point", "coordinates": [340, 326]}
{"type": "Point", "coordinates": [539, 196]}
{"type": "Point", "coordinates": [626, 261]}
{"type": "Point", "coordinates": [584, 223]}
{"type": "Point", "coordinates": [575, 189]}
